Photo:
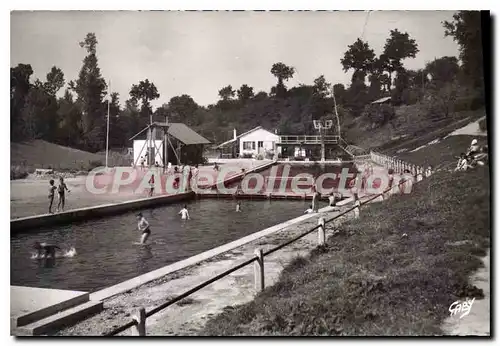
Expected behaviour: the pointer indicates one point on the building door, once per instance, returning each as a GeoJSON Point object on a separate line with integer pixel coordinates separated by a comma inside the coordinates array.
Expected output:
{"type": "Point", "coordinates": [260, 145]}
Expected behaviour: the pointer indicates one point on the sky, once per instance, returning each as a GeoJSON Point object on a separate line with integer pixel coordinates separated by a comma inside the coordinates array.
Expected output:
{"type": "Point", "coordinates": [198, 53]}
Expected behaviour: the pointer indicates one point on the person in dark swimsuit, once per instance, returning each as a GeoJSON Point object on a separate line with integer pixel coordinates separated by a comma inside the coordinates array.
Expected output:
{"type": "Point", "coordinates": [151, 185]}
{"type": "Point", "coordinates": [61, 189]}
{"type": "Point", "coordinates": [143, 226]}
{"type": "Point", "coordinates": [52, 192]}
{"type": "Point", "coordinates": [47, 249]}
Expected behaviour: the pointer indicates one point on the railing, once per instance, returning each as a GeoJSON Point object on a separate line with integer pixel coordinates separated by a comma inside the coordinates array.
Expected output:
{"type": "Point", "coordinates": [305, 139]}
{"type": "Point", "coordinates": [138, 321]}
{"type": "Point", "coordinates": [400, 166]}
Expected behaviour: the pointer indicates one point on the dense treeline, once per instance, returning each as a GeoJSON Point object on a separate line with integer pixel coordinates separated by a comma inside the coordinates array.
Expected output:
{"type": "Point", "coordinates": [78, 118]}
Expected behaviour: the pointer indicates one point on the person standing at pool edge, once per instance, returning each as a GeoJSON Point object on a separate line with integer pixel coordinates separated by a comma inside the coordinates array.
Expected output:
{"type": "Point", "coordinates": [61, 189]}
{"type": "Point", "coordinates": [143, 226]}
{"type": "Point", "coordinates": [184, 213]}
{"type": "Point", "coordinates": [52, 191]}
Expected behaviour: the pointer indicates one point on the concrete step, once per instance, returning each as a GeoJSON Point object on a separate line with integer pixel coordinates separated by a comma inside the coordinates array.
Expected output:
{"type": "Point", "coordinates": [60, 320]}
{"type": "Point", "coordinates": [37, 315]}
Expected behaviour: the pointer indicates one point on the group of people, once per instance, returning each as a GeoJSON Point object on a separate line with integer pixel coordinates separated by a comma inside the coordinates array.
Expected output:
{"type": "Point", "coordinates": [61, 192]}
{"type": "Point", "coordinates": [189, 171]}
{"type": "Point", "coordinates": [333, 199]}
{"type": "Point", "coordinates": [475, 155]}
{"type": "Point", "coordinates": [144, 228]}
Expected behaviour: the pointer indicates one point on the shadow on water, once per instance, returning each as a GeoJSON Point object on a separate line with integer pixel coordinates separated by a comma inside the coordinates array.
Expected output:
{"type": "Point", "coordinates": [107, 251]}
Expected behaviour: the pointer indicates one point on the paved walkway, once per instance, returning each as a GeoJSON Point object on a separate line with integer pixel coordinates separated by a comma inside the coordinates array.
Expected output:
{"type": "Point", "coordinates": [29, 196]}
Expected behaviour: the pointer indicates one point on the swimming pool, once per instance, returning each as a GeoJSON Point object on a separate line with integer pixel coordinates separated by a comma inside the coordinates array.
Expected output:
{"type": "Point", "coordinates": [106, 253]}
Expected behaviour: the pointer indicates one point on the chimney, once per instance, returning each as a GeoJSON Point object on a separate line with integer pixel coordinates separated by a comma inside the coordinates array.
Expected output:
{"type": "Point", "coordinates": [234, 134]}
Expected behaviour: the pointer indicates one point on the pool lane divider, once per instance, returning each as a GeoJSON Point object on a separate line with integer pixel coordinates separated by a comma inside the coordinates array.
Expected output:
{"type": "Point", "coordinates": [88, 213]}
{"type": "Point", "coordinates": [143, 279]}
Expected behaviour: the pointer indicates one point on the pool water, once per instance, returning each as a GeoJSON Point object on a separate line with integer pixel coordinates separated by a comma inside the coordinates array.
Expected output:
{"type": "Point", "coordinates": [106, 249]}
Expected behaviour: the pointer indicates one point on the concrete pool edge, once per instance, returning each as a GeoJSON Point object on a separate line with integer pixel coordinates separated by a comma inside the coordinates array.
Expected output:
{"type": "Point", "coordinates": [83, 214]}
{"type": "Point", "coordinates": [193, 260]}
{"type": "Point", "coordinates": [92, 212]}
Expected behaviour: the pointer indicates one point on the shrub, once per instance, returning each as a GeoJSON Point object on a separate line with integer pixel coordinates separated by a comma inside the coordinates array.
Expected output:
{"type": "Point", "coordinates": [16, 172]}
{"type": "Point", "coordinates": [94, 164]}
{"type": "Point", "coordinates": [247, 155]}
{"type": "Point", "coordinates": [482, 124]}
{"type": "Point", "coordinates": [260, 157]}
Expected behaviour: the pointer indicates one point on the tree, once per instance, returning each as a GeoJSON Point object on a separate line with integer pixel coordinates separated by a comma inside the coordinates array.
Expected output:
{"type": "Point", "coordinates": [145, 92]}
{"type": "Point", "coordinates": [55, 81]}
{"type": "Point", "coordinates": [442, 99]}
{"type": "Point", "coordinates": [19, 90]}
{"type": "Point", "coordinates": [443, 70]}
{"type": "Point", "coordinates": [42, 112]}
{"type": "Point", "coordinates": [398, 46]}
{"type": "Point", "coordinates": [358, 57]}
{"type": "Point", "coordinates": [130, 118]}
{"type": "Point", "coordinates": [340, 93]}
{"type": "Point", "coordinates": [117, 130]}
{"type": "Point", "coordinates": [260, 96]}
{"type": "Point", "coordinates": [90, 88]}
{"type": "Point", "coordinates": [465, 29]}
{"type": "Point", "coordinates": [226, 93]}
{"type": "Point", "coordinates": [70, 125]}
{"type": "Point", "coordinates": [245, 93]}
{"type": "Point", "coordinates": [183, 109]}
{"type": "Point", "coordinates": [283, 73]}
{"type": "Point", "coordinates": [321, 87]}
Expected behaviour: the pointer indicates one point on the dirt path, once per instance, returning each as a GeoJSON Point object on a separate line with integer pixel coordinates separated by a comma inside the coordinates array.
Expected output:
{"type": "Point", "coordinates": [478, 320]}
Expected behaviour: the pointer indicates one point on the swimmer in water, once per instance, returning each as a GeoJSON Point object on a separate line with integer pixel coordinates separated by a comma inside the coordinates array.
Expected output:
{"type": "Point", "coordinates": [310, 210]}
{"type": "Point", "coordinates": [184, 213]}
{"type": "Point", "coordinates": [49, 250]}
{"type": "Point", "coordinates": [143, 226]}
{"type": "Point", "coordinates": [238, 207]}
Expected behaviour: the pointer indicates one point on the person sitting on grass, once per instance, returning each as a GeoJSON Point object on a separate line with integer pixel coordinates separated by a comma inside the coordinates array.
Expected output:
{"type": "Point", "coordinates": [462, 164]}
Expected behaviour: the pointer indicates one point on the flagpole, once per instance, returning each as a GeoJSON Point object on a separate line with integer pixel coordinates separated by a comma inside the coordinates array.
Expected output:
{"type": "Point", "coordinates": [107, 126]}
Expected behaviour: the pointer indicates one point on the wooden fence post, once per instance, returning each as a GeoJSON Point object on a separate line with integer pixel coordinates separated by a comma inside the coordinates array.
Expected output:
{"type": "Point", "coordinates": [259, 270]}
{"type": "Point", "coordinates": [321, 231]}
{"type": "Point", "coordinates": [140, 328]}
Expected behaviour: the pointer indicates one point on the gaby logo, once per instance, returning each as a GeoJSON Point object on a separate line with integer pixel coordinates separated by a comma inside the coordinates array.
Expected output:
{"type": "Point", "coordinates": [461, 306]}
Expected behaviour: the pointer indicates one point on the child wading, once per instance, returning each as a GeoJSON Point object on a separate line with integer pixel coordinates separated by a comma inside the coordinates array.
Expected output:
{"type": "Point", "coordinates": [52, 191]}
{"type": "Point", "coordinates": [151, 185]}
{"type": "Point", "coordinates": [238, 207]}
{"type": "Point", "coordinates": [184, 213]}
{"type": "Point", "coordinates": [143, 226]}
{"type": "Point", "coordinates": [61, 189]}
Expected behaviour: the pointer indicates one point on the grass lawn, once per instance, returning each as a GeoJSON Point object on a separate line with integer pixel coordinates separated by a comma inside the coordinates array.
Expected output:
{"type": "Point", "coordinates": [372, 280]}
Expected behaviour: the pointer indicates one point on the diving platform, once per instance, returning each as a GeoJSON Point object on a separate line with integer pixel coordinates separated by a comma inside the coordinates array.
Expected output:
{"type": "Point", "coordinates": [308, 139]}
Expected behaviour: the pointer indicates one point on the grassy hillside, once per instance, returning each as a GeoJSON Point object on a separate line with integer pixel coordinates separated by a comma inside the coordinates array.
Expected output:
{"type": "Point", "coordinates": [411, 123]}
{"type": "Point", "coordinates": [25, 157]}
{"type": "Point", "coordinates": [372, 280]}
